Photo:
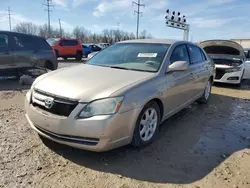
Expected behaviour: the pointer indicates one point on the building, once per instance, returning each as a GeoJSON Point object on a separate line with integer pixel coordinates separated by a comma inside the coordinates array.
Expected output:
{"type": "Point", "coordinates": [245, 43]}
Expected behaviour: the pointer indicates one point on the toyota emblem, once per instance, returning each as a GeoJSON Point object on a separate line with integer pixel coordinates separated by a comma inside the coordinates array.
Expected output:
{"type": "Point", "coordinates": [49, 102]}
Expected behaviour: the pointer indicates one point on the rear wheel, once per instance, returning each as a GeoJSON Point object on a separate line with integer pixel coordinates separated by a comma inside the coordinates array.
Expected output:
{"type": "Point", "coordinates": [206, 95]}
{"type": "Point", "coordinates": [49, 65]}
{"type": "Point", "coordinates": [57, 53]}
{"type": "Point", "coordinates": [147, 125]}
{"type": "Point", "coordinates": [78, 56]}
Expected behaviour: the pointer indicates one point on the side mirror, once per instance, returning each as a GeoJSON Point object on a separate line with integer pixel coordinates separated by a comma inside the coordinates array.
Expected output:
{"type": "Point", "coordinates": [178, 66]}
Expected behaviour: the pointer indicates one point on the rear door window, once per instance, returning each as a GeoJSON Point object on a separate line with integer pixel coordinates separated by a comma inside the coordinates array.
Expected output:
{"type": "Point", "coordinates": [179, 54]}
{"type": "Point", "coordinates": [203, 55]}
{"type": "Point", "coordinates": [4, 43]}
{"type": "Point", "coordinates": [195, 54]}
{"type": "Point", "coordinates": [23, 42]}
{"type": "Point", "coordinates": [43, 45]}
{"type": "Point", "coordinates": [69, 43]}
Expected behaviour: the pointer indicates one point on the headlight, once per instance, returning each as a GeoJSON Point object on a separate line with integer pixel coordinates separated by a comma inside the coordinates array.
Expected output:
{"type": "Point", "coordinates": [106, 106]}
{"type": "Point", "coordinates": [234, 69]}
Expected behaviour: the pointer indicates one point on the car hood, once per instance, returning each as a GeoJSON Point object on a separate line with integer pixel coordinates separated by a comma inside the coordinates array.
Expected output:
{"type": "Point", "coordinates": [223, 49]}
{"type": "Point", "coordinates": [88, 82]}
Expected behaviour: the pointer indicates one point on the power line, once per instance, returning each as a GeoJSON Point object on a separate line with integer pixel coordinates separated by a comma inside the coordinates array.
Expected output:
{"type": "Point", "coordinates": [139, 5]}
{"type": "Point", "coordinates": [9, 16]}
{"type": "Point", "coordinates": [48, 6]}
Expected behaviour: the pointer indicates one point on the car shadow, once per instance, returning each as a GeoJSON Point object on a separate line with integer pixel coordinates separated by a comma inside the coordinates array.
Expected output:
{"type": "Point", "coordinates": [71, 60]}
{"type": "Point", "coordinates": [12, 85]}
{"type": "Point", "coordinates": [244, 86]}
{"type": "Point", "coordinates": [190, 145]}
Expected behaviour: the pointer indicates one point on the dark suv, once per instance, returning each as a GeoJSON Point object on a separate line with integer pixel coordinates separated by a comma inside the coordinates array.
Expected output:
{"type": "Point", "coordinates": [21, 52]}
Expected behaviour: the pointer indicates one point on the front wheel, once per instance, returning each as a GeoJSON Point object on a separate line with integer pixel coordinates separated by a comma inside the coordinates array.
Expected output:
{"type": "Point", "coordinates": [207, 92]}
{"type": "Point", "coordinates": [147, 125]}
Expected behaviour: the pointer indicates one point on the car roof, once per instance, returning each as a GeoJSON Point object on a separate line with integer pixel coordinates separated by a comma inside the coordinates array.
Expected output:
{"type": "Point", "coordinates": [158, 41]}
{"type": "Point", "coordinates": [21, 34]}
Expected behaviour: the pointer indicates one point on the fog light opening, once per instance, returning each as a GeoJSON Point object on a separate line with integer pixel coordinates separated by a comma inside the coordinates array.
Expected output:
{"type": "Point", "coordinates": [233, 78]}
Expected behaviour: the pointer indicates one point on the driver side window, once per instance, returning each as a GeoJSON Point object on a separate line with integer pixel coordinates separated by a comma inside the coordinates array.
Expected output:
{"type": "Point", "coordinates": [180, 53]}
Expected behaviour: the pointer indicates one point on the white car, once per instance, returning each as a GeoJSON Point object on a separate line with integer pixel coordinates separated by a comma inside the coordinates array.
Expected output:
{"type": "Point", "coordinates": [229, 59]}
{"type": "Point", "coordinates": [247, 65]}
{"type": "Point", "coordinates": [104, 45]}
{"type": "Point", "coordinates": [92, 54]}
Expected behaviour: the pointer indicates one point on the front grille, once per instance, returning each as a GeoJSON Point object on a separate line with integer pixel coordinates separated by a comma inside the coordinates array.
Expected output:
{"type": "Point", "coordinates": [61, 106]}
{"type": "Point", "coordinates": [229, 62]}
{"type": "Point", "coordinates": [73, 139]}
{"type": "Point", "coordinates": [219, 73]}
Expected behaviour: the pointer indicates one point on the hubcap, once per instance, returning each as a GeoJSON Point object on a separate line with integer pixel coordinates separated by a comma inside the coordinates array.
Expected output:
{"type": "Point", "coordinates": [207, 90]}
{"type": "Point", "coordinates": [148, 124]}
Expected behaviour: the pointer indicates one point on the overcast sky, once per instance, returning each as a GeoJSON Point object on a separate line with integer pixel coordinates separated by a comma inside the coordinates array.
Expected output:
{"type": "Point", "coordinates": [209, 19]}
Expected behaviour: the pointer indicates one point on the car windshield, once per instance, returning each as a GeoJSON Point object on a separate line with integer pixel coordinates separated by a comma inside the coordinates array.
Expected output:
{"type": "Point", "coordinates": [132, 56]}
{"type": "Point", "coordinates": [52, 41]}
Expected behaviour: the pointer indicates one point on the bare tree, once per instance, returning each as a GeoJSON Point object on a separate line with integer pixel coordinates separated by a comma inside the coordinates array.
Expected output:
{"type": "Point", "coordinates": [26, 28]}
{"type": "Point", "coordinates": [44, 31]}
{"type": "Point", "coordinates": [108, 35]}
{"type": "Point", "coordinates": [145, 35]}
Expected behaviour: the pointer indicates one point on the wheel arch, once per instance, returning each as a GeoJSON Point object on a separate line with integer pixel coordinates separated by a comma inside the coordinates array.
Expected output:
{"type": "Point", "coordinates": [160, 104]}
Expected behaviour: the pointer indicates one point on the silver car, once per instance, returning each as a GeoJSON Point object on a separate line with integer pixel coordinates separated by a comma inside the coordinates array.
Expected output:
{"type": "Point", "coordinates": [121, 95]}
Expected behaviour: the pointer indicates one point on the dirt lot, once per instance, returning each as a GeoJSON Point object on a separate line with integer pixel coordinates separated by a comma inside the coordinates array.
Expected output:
{"type": "Point", "coordinates": [202, 146]}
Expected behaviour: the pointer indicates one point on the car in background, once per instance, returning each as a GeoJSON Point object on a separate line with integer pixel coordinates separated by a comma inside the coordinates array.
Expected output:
{"type": "Point", "coordinates": [66, 48]}
{"type": "Point", "coordinates": [86, 50]}
{"type": "Point", "coordinates": [95, 47]}
{"type": "Point", "coordinates": [229, 59]}
{"type": "Point", "coordinates": [104, 45]}
{"type": "Point", "coordinates": [19, 52]}
{"type": "Point", "coordinates": [121, 95]}
{"type": "Point", "coordinates": [247, 65]}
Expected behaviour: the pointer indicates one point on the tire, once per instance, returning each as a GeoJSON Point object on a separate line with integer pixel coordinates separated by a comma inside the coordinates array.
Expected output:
{"type": "Point", "coordinates": [140, 139]}
{"type": "Point", "coordinates": [207, 92]}
{"type": "Point", "coordinates": [57, 53]}
{"type": "Point", "coordinates": [78, 56]}
{"type": "Point", "coordinates": [49, 65]}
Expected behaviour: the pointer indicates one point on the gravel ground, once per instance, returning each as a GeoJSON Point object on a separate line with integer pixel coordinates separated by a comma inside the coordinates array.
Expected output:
{"type": "Point", "coordinates": [69, 62]}
{"type": "Point", "coordinates": [202, 146]}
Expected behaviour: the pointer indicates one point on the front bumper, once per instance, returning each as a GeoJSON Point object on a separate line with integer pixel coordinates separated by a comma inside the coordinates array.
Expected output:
{"type": "Point", "coordinates": [231, 77]}
{"type": "Point", "coordinates": [99, 133]}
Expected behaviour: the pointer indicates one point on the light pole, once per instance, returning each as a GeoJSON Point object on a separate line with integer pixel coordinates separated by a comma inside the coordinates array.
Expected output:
{"type": "Point", "coordinates": [177, 21]}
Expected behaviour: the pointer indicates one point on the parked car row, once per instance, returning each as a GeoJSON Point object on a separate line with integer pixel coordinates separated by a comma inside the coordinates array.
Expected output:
{"type": "Point", "coordinates": [123, 93]}
{"type": "Point", "coordinates": [90, 48]}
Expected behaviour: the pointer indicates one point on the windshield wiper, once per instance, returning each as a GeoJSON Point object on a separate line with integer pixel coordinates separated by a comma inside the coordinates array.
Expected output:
{"type": "Point", "coordinates": [117, 67]}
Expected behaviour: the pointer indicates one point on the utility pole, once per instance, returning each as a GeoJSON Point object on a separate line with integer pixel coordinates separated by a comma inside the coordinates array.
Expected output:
{"type": "Point", "coordinates": [48, 6]}
{"type": "Point", "coordinates": [60, 26]}
{"type": "Point", "coordinates": [9, 15]}
{"type": "Point", "coordinates": [118, 26]}
{"type": "Point", "coordinates": [139, 5]}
